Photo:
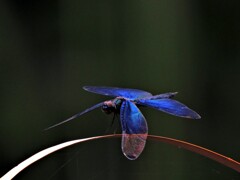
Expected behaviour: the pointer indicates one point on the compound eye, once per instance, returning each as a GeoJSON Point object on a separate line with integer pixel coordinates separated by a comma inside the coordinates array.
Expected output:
{"type": "Point", "coordinates": [107, 109]}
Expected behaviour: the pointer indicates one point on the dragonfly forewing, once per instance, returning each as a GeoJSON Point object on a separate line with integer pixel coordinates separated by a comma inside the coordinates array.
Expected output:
{"type": "Point", "coordinates": [118, 92]}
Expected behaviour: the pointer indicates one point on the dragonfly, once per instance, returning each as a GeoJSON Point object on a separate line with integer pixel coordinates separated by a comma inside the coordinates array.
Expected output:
{"type": "Point", "coordinates": [134, 126]}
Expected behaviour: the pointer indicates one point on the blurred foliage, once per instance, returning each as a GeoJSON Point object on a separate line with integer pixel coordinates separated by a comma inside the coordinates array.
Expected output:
{"type": "Point", "coordinates": [50, 49]}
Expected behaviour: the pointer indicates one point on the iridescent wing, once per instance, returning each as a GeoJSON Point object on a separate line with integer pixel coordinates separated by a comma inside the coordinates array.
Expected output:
{"type": "Point", "coordinates": [115, 92]}
{"type": "Point", "coordinates": [77, 115]}
{"type": "Point", "coordinates": [134, 130]}
{"type": "Point", "coordinates": [170, 106]}
{"type": "Point", "coordinates": [162, 96]}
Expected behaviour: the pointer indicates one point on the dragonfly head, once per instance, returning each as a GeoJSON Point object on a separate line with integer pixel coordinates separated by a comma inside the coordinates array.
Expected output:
{"type": "Point", "coordinates": [111, 106]}
{"type": "Point", "coordinates": [107, 109]}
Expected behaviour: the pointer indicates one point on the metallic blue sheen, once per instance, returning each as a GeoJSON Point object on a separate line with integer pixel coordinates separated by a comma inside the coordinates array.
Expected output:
{"type": "Point", "coordinates": [161, 96]}
{"type": "Point", "coordinates": [134, 130]}
{"type": "Point", "coordinates": [170, 106]}
{"type": "Point", "coordinates": [132, 120]}
{"type": "Point", "coordinates": [118, 92]}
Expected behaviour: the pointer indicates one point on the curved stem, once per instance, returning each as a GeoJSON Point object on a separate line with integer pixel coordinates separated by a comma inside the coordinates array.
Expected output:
{"type": "Point", "coordinates": [191, 147]}
{"type": "Point", "coordinates": [200, 150]}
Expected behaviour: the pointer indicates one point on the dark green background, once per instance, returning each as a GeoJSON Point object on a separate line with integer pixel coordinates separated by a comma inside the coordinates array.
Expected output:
{"type": "Point", "coordinates": [50, 49]}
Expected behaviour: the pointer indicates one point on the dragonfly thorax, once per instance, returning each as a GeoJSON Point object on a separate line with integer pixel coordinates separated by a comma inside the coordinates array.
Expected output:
{"type": "Point", "coordinates": [112, 106]}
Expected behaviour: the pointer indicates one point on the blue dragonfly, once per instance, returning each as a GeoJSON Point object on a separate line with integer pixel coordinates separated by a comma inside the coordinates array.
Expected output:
{"type": "Point", "coordinates": [133, 123]}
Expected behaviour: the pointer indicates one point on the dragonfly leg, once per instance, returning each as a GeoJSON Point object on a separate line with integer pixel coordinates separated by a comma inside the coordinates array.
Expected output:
{"type": "Point", "coordinates": [115, 131]}
{"type": "Point", "coordinates": [111, 125]}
